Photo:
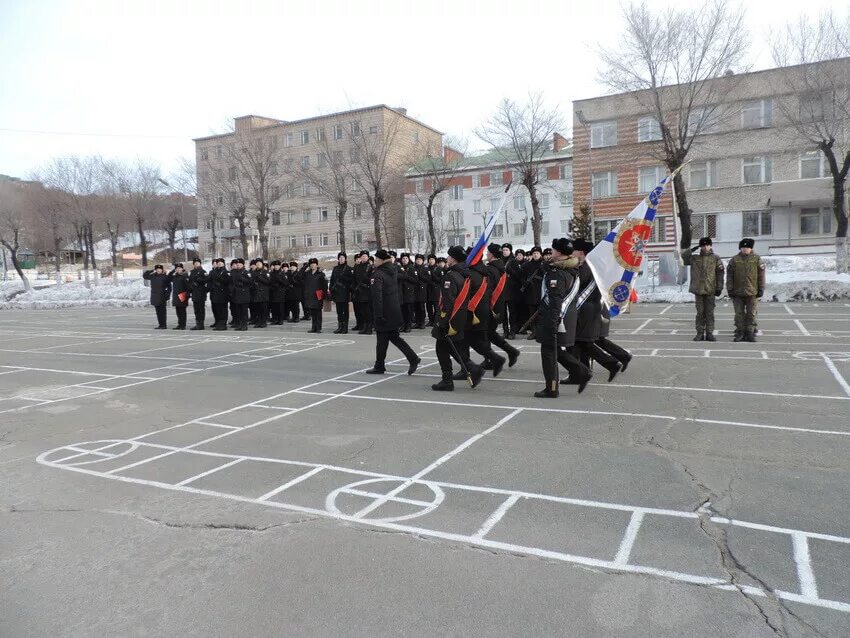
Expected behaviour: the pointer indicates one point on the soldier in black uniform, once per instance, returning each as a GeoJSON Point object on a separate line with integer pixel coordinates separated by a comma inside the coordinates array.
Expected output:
{"type": "Point", "coordinates": [431, 291]}
{"type": "Point", "coordinates": [452, 323]}
{"type": "Point", "coordinates": [342, 278]}
{"type": "Point", "coordinates": [434, 285]}
{"type": "Point", "coordinates": [556, 319]}
{"type": "Point", "coordinates": [198, 281]}
{"type": "Point", "coordinates": [420, 272]}
{"type": "Point", "coordinates": [179, 281]}
{"type": "Point", "coordinates": [315, 291]}
{"type": "Point", "coordinates": [513, 291]}
{"type": "Point", "coordinates": [498, 284]}
{"type": "Point", "coordinates": [383, 290]}
{"type": "Point", "coordinates": [252, 306]}
{"type": "Point", "coordinates": [294, 293]}
{"type": "Point", "coordinates": [219, 287]}
{"type": "Point", "coordinates": [532, 274]}
{"type": "Point", "coordinates": [362, 296]}
{"type": "Point", "coordinates": [240, 294]}
{"type": "Point", "coordinates": [234, 311]}
{"type": "Point", "coordinates": [407, 284]}
{"type": "Point", "coordinates": [260, 284]}
{"type": "Point", "coordinates": [160, 290]}
{"type": "Point", "coordinates": [277, 292]}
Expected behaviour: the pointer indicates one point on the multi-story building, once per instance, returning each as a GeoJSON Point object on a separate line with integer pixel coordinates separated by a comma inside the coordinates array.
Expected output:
{"type": "Point", "coordinates": [303, 219]}
{"type": "Point", "coordinates": [750, 174]}
{"type": "Point", "coordinates": [476, 187]}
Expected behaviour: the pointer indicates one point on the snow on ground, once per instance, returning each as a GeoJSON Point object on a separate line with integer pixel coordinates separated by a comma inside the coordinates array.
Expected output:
{"type": "Point", "coordinates": [122, 293]}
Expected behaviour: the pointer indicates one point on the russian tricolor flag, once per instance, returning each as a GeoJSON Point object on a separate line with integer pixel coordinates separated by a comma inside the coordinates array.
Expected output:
{"type": "Point", "coordinates": [480, 246]}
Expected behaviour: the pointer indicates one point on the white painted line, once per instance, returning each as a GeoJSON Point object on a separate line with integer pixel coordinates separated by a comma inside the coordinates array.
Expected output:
{"type": "Point", "coordinates": [496, 516]}
{"type": "Point", "coordinates": [838, 377]}
{"type": "Point", "coordinates": [271, 407]}
{"type": "Point", "coordinates": [805, 573]}
{"type": "Point", "coordinates": [787, 309]}
{"type": "Point", "coordinates": [294, 481]}
{"type": "Point", "coordinates": [642, 326]}
{"type": "Point", "coordinates": [208, 472]}
{"type": "Point", "coordinates": [802, 328]}
{"type": "Point", "coordinates": [769, 427]}
{"type": "Point", "coordinates": [625, 550]}
{"type": "Point", "coordinates": [217, 425]}
{"type": "Point", "coordinates": [88, 374]}
{"type": "Point", "coordinates": [352, 381]}
{"type": "Point", "coordinates": [394, 499]}
{"type": "Point", "coordinates": [446, 457]}
{"type": "Point", "coordinates": [665, 309]}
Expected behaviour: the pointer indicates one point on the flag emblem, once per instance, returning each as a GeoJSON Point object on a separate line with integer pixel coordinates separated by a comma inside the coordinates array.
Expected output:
{"type": "Point", "coordinates": [619, 292]}
{"type": "Point", "coordinates": [631, 242]}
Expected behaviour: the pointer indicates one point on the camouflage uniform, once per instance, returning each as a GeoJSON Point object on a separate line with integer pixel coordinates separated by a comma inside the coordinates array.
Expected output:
{"type": "Point", "coordinates": [706, 284]}
{"type": "Point", "coordinates": [745, 284]}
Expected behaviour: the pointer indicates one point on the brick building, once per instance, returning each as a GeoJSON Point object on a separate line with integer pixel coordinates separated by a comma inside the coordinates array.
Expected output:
{"type": "Point", "coordinates": [303, 221]}
{"type": "Point", "coordinates": [750, 173]}
{"type": "Point", "coordinates": [476, 187]}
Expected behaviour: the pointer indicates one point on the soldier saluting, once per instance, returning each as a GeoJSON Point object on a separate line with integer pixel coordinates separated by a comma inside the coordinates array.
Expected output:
{"type": "Point", "coordinates": [745, 284]}
{"type": "Point", "coordinates": [706, 284]}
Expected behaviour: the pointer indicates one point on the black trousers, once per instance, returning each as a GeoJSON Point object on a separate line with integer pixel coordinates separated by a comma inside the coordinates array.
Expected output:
{"type": "Point", "coordinates": [261, 313]}
{"type": "Point", "coordinates": [530, 309]}
{"type": "Point", "coordinates": [365, 313]}
{"type": "Point", "coordinates": [419, 313]}
{"type": "Point", "coordinates": [200, 308]}
{"type": "Point", "coordinates": [479, 342]}
{"type": "Point", "coordinates": [240, 315]}
{"type": "Point", "coordinates": [291, 311]}
{"type": "Point", "coordinates": [431, 309]}
{"type": "Point", "coordinates": [516, 312]}
{"type": "Point", "coordinates": [554, 352]}
{"type": "Point", "coordinates": [219, 311]}
{"type": "Point", "coordinates": [383, 341]}
{"type": "Point", "coordinates": [445, 353]}
{"type": "Point", "coordinates": [306, 310]}
{"type": "Point", "coordinates": [587, 350]}
{"type": "Point", "coordinates": [620, 354]}
{"type": "Point", "coordinates": [252, 312]}
{"type": "Point", "coordinates": [316, 318]}
{"type": "Point", "coordinates": [498, 340]}
{"type": "Point", "coordinates": [358, 318]}
{"type": "Point", "coordinates": [161, 316]}
{"type": "Point", "coordinates": [407, 314]}
{"type": "Point", "coordinates": [181, 316]}
{"type": "Point", "coordinates": [234, 313]}
{"type": "Point", "coordinates": [277, 311]}
{"type": "Point", "coordinates": [342, 313]}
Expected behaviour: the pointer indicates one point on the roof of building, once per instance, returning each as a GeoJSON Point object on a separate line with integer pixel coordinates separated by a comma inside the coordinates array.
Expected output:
{"type": "Point", "coordinates": [281, 123]}
{"type": "Point", "coordinates": [491, 158]}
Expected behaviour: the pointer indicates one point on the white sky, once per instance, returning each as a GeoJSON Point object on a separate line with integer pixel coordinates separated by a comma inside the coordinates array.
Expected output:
{"type": "Point", "coordinates": [142, 78]}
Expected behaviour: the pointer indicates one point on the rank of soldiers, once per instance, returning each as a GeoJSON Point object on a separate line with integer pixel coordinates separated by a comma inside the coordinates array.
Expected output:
{"type": "Point", "coordinates": [548, 295]}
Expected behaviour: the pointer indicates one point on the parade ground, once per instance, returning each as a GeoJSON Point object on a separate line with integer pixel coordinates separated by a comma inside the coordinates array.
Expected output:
{"type": "Point", "coordinates": [259, 483]}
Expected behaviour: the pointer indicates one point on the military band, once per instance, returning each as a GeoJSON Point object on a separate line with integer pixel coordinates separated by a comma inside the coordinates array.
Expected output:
{"type": "Point", "coordinates": [550, 295]}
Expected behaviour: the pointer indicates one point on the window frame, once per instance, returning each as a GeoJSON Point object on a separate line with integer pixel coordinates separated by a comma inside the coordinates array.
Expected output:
{"type": "Point", "coordinates": [601, 127]}
{"type": "Point", "coordinates": [765, 117]}
{"type": "Point", "coordinates": [710, 174]}
{"type": "Point", "coordinates": [763, 214]}
{"type": "Point", "coordinates": [765, 169]}
{"type": "Point", "coordinates": [611, 180]}
{"type": "Point", "coordinates": [645, 133]}
{"type": "Point", "coordinates": [822, 172]}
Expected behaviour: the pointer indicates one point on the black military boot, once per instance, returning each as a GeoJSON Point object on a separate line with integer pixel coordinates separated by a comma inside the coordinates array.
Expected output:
{"type": "Point", "coordinates": [460, 375]}
{"type": "Point", "coordinates": [613, 371]}
{"type": "Point", "coordinates": [513, 355]}
{"type": "Point", "coordinates": [445, 385]}
{"type": "Point", "coordinates": [498, 364]}
{"type": "Point", "coordinates": [739, 336]}
{"type": "Point", "coordinates": [487, 364]}
{"type": "Point", "coordinates": [376, 369]}
{"type": "Point", "coordinates": [338, 328]}
{"type": "Point", "coordinates": [343, 328]}
{"type": "Point", "coordinates": [709, 336]}
{"type": "Point", "coordinates": [476, 372]}
{"type": "Point", "coordinates": [368, 329]}
{"type": "Point", "coordinates": [700, 336]}
{"type": "Point", "coordinates": [750, 336]}
{"type": "Point", "coordinates": [547, 392]}
{"type": "Point", "coordinates": [413, 366]}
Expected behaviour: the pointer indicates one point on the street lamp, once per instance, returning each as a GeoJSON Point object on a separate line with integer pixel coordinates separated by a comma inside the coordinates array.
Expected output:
{"type": "Point", "coordinates": [182, 219]}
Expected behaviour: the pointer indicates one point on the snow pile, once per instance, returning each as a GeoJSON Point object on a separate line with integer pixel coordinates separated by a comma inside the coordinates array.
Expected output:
{"type": "Point", "coordinates": [123, 293]}
{"type": "Point", "coordinates": [800, 263]}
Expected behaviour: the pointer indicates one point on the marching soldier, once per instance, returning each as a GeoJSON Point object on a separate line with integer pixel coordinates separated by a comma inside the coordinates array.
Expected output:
{"type": "Point", "coordinates": [532, 274]}
{"type": "Point", "coordinates": [513, 290]}
{"type": "Point", "coordinates": [342, 277]}
{"type": "Point", "coordinates": [706, 284]}
{"type": "Point", "coordinates": [315, 290]}
{"type": "Point", "coordinates": [179, 281]}
{"type": "Point", "coordinates": [362, 296]}
{"type": "Point", "coordinates": [383, 290]}
{"type": "Point", "coordinates": [219, 286]}
{"type": "Point", "coordinates": [498, 284]}
{"type": "Point", "coordinates": [240, 294]}
{"type": "Point", "coordinates": [260, 284]}
{"type": "Point", "coordinates": [421, 274]}
{"type": "Point", "coordinates": [198, 281]}
{"type": "Point", "coordinates": [277, 292]}
{"type": "Point", "coordinates": [453, 321]}
{"type": "Point", "coordinates": [408, 283]}
{"type": "Point", "coordinates": [160, 290]}
{"type": "Point", "coordinates": [556, 320]}
{"type": "Point", "coordinates": [745, 279]}
{"type": "Point", "coordinates": [432, 290]}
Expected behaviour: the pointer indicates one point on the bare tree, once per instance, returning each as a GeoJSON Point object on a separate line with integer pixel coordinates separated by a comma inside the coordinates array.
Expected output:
{"type": "Point", "coordinates": [50, 207]}
{"type": "Point", "coordinates": [521, 134]}
{"type": "Point", "coordinates": [669, 62]}
{"type": "Point", "coordinates": [14, 223]}
{"type": "Point", "coordinates": [141, 190]}
{"type": "Point", "coordinates": [438, 168]}
{"type": "Point", "coordinates": [816, 78]}
{"type": "Point", "coordinates": [227, 189]}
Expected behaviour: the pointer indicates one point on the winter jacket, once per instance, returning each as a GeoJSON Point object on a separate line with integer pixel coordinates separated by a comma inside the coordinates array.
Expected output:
{"type": "Point", "coordinates": [409, 282]}
{"type": "Point", "coordinates": [745, 276]}
{"type": "Point", "coordinates": [498, 286]}
{"type": "Point", "coordinates": [219, 285]}
{"type": "Point", "coordinates": [706, 272]}
{"type": "Point", "coordinates": [383, 290]}
{"type": "Point", "coordinates": [160, 287]}
{"type": "Point", "coordinates": [479, 298]}
{"type": "Point", "coordinates": [513, 287]}
{"type": "Point", "coordinates": [277, 287]}
{"type": "Point", "coordinates": [240, 286]}
{"type": "Point", "coordinates": [198, 281]}
{"type": "Point", "coordinates": [342, 279]}
{"type": "Point", "coordinates": [260, 283]}
{"type": "Point", "coordinates": [179, 289]}
{"type": "Point", "coordinates": [314, 282]}
{"type": "Point", "coordinates": [451, 285]}
{"type": "Point", "coordinates": [362, 278]}
{"type": "Point", "coordinates": [532, 274]}
{"type": "Point", "coordinates": [590, 314]}
{"type": "Point", "coordinates": [558, 288]}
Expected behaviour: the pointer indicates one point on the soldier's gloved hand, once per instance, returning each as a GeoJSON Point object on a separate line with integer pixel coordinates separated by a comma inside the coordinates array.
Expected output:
{"type": "Point", "coordinates": [717, 293]}
{"type": "Point", "coordinates": [695, 248]}
{"type": "Point", "coordinates": [438, 333]}
{"type": "Point", "coordinates": [760, 293]}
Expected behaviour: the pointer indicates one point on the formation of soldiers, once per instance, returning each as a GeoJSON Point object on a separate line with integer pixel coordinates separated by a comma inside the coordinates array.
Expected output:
{"type": "Point", "coordinates": [745, 281]}
{"type": "Point", "coordinates": [546, 295]}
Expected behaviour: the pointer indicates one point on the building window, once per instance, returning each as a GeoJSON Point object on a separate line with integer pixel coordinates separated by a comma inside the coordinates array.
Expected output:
{"type": "Point", "coordinates": [603, 134]}
{"type": "Point", "coordinates": [355, 128]}
{"type": "Point", "coordinates": [702, 174]}
{"type": "Point", "coordinates": [287, 191]}
{"type": "Point", "coordinates": [323, 239]}
{"type": "Point", "coordinates": [291, 217]}
{"type": "Point", "coordinates": [218, 151]}
{"type": "Point", "coordinates": [457, 192]}
{"type": "Point", "coordinates": [648, 177]}
{"type": "Point", "coordinates": [476, 206]}
{"type": "Point", "coordinates": [323, 214]}
{"type": "Point", "coordinates": [604, 184]}
{"type": "Point", "coordinates": [757, 222]}
{"type": "Point", "coordinates": [208, 223]}
{"type": "Point", "coordinates": [354, 154]}
{"type": "Point", "coordinates": [337, 131]}
{"type": "Point", "coordinates": [566, 198]}
{"type": "Point", "coordinates": [756, 170]}
{"type": "Point", "coordinates": [220, 200]}
{"type": "Point", "coordinates": [305, 216]}
{"type": "Point", "coordinates": [814, 221]}
{"type": "Point", "coordinates": [757, 114]}
{"type": "Point", "coordinates": [496, 179]}
{"type": "Point", "coordinates": [305, 189]}
{"type": "Point", "coordinates": [476, 181]}
{"type": "Point", "coordinates": [659, 230]}
{"type": "Point", "coordinates": [519, 202]}
{"type": "Point", "coordinates": [813, 106]}
{"type": "Point", "coordinates": [373, 130]}
{"type": "Point", "coordinates": [287, 140]}
{"type": "Point", "coordinates": [494, 204]}
{"type": "Point", "coordinates": [498, 230]}
{"type": "Point", "coordinates": [275, 192]}
{"type": "Point", "coordinates": [541, 174]}
{"type": "Point", "coordinates": [543, 201]}
{"type": "Point", "coordinates": [544, 228]}
{"type": "Point", "coordinates": [320, 135]}
{"type": "Point", "coordinates": [205, 154]}
{"type": "Point", "coordinates": [308, 241]}
{"type": "Point", "coordinates": [320, 160]}
{"type": "Point", "coordinates": [602, 227]}
{"type": "Point", "coordinates": [234, 198]}
{"type": "Point", "coordinates": [337, 158]}
{"type": "Point", "coordinates": [305, 162]}
{"type": "Point", "coordinates": [231, 173]}
{"type": "Point", "coordinates": [293, 241]}
{"type": "Point", "coordinates": [812, 165]}
{"type": "Point", "coordinates": [564, 226]}
{"type": "Point", "coordinates": [358, 237]}
{"type": "Point", "coordinates": [703, 120]}
{"type": "Point", "coordinates": [476, 231]}
{"type": "Point", "coordinates": [305, 137]}
{"type": "Point", "coordinates": [649, 130]}
{"type": "Point", "coordinates": [419, 185]}
{"type": "Point", "coordinates": [357, 211]}
{"type": "Point", "coordinates": [565, 171]}
{"type": "Point", "coordinates": [704, 225]}
{"type": "Point", "coordinates": [519, 229]}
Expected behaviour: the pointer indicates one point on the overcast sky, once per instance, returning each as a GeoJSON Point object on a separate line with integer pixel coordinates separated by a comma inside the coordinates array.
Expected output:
{"type": "Point", "coordinates": [134, 78]}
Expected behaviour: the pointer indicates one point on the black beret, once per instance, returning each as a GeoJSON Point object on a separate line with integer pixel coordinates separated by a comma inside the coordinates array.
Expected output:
{"type": "Point", "coordinates": [495, 249]}
{"type": "Point", "coordinates": [293, 263]}
{"type": "Point", "coordinates": [747, 242]}
{"type": "Point", "coordinates": [393, 253]}
{"type": "Point", "coordinates": [458, 253]}
{"type": "Point", "coordinates": [382, 254]}
{"type": "Point", "coordinates": [178, 265]}
{"type": "Point", "coordinates": [705, 241]}
{"type": "Point", "coordinates": [562, 245]}
{"type": "Point", "coordinates": [196, 260]}
{"type": "Point", "coordinates": [276, 262]}
{"type": "Point", "coordinates": [441, 260]}
{"type": "Point", "coordinates": [241, 261]}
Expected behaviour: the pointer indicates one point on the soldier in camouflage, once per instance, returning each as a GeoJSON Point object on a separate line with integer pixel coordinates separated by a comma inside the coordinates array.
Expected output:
{"type": "Point", "coordinates": [745, 284]}
{"type": "Point", "coordinates": [706, 284]}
